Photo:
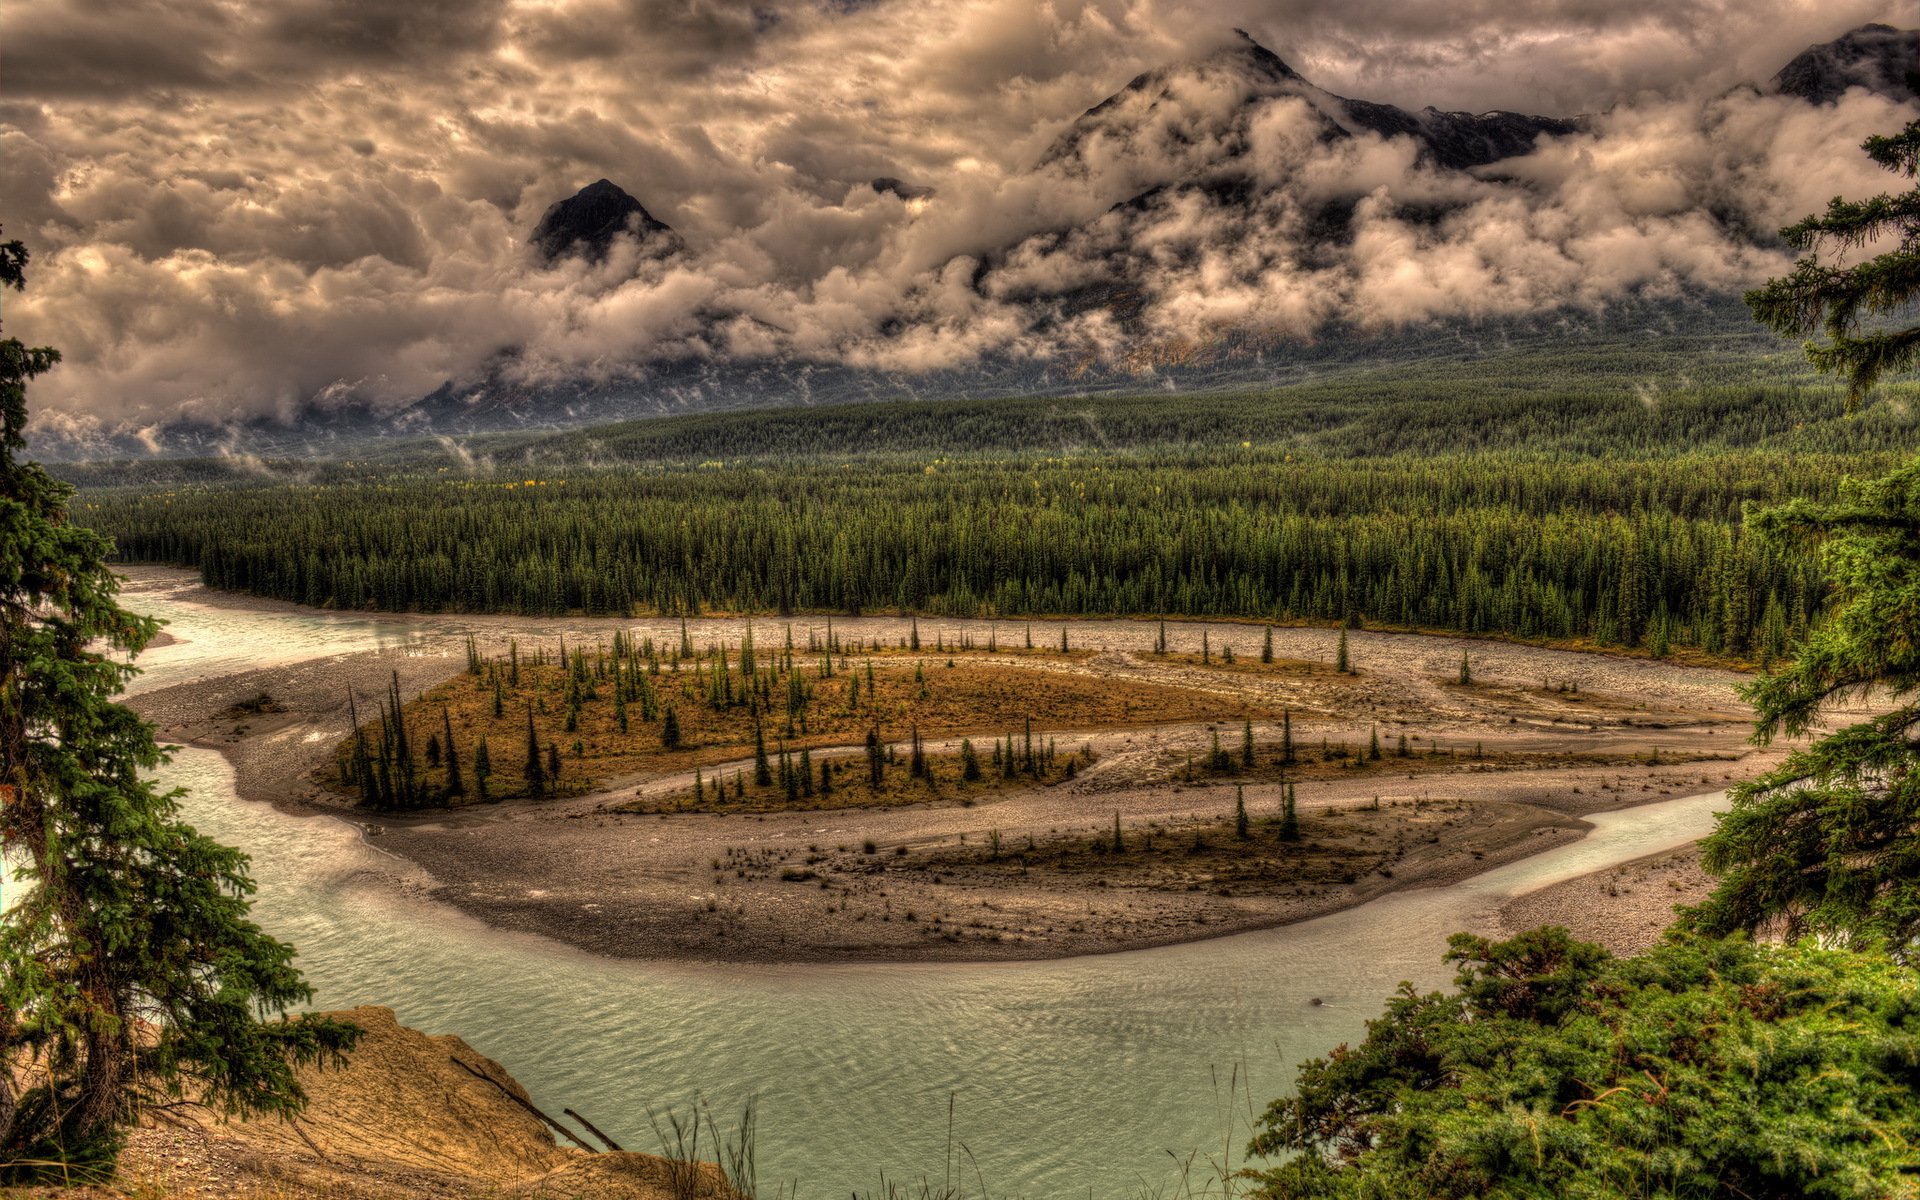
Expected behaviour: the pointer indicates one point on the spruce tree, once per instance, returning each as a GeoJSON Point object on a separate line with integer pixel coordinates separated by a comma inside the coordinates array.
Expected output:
{"type": "Point", "coordinates": [1246, 743]}
{"type": "Point", "coordinates": [1266, 646]}
{"type": "Point", "coordinates": [670, 729]}
{"type": "Point", "coordinates": [1850, 304]}
{"type": "Point", "coordinates": [762, 770]}
{"type": "Point", "coordinates": [1289, 816]}
{"type": "Point", "coordinates": [130, 971]}
{"type": "Point", "coordinates": [1241, 826]}
{"type": "Point", "coordinates": [1340, 662]}
{"type": "Point", "coordinates": [482, 768]}
{"type": "Point", "coordinates": [455, 786]}
{"type": "Point", "coordinates": [535, 773]}
{"type": "Point", "coordinates": [1827, 844]}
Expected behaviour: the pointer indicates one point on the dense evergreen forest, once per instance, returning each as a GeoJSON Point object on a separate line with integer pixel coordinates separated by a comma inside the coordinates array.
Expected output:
{"type": "Point", "coordinates": [1601, 518]}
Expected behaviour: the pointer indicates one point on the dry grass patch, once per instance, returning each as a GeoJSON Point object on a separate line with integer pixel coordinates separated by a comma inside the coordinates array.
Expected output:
{"type": "Point", "coordinates": [695, 717]}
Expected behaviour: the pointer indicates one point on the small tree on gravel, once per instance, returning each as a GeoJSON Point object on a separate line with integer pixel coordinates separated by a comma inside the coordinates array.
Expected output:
{"type": "Point", "coordinates": [129, 969]}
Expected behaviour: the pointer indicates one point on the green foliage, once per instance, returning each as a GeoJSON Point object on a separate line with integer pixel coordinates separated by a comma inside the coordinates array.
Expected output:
{"type": "Point", "coordinates": [1702, 1068]}
{"type": "Point", "coordinates": [1828, 843]}
{"type": "Point", "coordinates": [129, 970]}
{"type": "Point", "coordinates": [1851, 303]}
{"type": "Point", "coordinates": [1642, 546]}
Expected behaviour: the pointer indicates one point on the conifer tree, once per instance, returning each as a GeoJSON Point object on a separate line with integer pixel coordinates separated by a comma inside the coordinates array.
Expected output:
{"type": "Point", "coordinates": [535, 773]}
{"type": "Point", "coordinates": [130, 971]}
{"type": "Point", "coordinates": [482, 769]}
{"type": "Point", "coordinates": [1241, 826]}
{"type": "Point", "coordinates": [1849, 304]}
{"type": "Point", "coordinates": [969, 761]}
{"type": "Point", "coordinates": [1246, 743]}
{"type": "Point", "coordinates": [1828, 843]}
{"type": "Point", "coordinates": [1266, 646]}
{"type": "Point", "coordinates": [762, 770]}
{"type": "Point", "coordinates": [670, 729]}
{"type": "Point", "coordinates": [1340, 662]}
{"type": "Point", "coordinates": [1289, 816]}
{"type": "Point", "coordinates": [455, 786]}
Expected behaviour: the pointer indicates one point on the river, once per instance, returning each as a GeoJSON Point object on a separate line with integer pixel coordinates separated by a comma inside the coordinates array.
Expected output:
{"type": "Point", "coordinates": [1094, 1076]}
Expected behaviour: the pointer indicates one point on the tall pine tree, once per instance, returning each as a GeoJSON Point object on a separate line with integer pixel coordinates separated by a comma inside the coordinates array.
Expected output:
{"type": "Point", "coordinates": [130, 971]}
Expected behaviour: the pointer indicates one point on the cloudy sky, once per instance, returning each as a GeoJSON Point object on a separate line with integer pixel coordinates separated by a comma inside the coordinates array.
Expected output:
{"type": "Point", "coordinates": [256, 208]}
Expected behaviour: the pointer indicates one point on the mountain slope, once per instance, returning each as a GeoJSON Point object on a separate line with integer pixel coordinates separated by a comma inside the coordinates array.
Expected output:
{"type": "Point", "coordinates": [1879, 58]}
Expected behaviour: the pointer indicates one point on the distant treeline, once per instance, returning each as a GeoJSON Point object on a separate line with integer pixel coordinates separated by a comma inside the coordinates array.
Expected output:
{"type": "Point", "coordinates": [1335, 418]}
{"type": "Point", "coordinates": [1622, 550]}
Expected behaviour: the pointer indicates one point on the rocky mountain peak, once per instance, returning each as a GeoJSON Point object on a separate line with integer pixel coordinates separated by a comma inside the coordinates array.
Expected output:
{"type": "Point", "coordinates": [588, 221]}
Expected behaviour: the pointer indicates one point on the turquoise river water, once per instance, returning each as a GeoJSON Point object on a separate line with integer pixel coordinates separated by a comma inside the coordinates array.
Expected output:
{"type": "Point", "coordinates": [1095, 1076]}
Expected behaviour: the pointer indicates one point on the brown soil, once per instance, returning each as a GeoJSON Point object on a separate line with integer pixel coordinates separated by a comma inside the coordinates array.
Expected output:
{"type": "Point", "coordinates": [409, 1116]}
{"type": "Point", "coordinates": [1513, 760]}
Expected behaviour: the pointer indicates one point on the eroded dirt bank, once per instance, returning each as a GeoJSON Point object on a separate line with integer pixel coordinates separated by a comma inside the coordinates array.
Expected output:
{"type": "Point", "coordinates": [409, 1117]}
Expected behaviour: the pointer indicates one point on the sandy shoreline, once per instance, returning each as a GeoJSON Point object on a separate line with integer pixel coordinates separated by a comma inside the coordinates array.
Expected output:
{"type": "Point", "coordinates": [710, 887]}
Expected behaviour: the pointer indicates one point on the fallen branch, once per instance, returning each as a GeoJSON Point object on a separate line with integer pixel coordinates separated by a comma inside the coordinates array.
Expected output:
{"type": "Point", "coordinates": [557, 1127]}
{"type": "Point", "coordinates": [594, 1130]}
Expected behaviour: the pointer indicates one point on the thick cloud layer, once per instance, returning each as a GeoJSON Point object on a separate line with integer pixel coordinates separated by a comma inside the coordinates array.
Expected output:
{"type": "Point", "coordinates": [243, 210]}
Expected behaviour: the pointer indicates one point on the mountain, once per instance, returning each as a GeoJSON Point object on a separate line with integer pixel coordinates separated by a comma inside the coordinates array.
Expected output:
{"type": "Point", "coordinates": [1212, 164]}
{"type": "Point", "coordinates": [588, 221]}
{"type": "Point", "coordinates": [1879, 58]}
{"type": "Point", "coordinates": [1254, 75]}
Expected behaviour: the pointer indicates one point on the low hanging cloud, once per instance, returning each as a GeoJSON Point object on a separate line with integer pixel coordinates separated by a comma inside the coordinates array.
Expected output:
{"type": "Point", "coordinates": [264, 210]}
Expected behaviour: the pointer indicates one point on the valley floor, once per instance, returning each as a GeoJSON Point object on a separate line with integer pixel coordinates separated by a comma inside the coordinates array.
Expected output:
{"type": "Point", "coordinates": [1503, 768]}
